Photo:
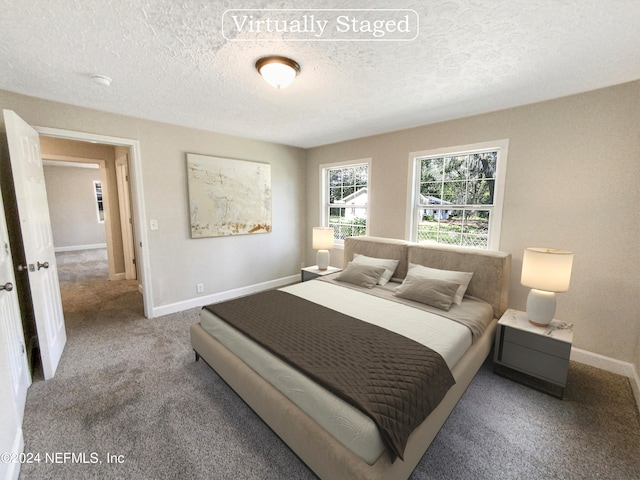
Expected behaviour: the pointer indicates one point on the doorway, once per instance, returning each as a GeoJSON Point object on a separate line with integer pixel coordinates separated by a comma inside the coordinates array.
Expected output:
{"type": "Point", "coordinates": [128, 166]}
{"type": "Point", "coordinates": [90, 209]}
{"type": "Point", "coordinates": [88, 191]}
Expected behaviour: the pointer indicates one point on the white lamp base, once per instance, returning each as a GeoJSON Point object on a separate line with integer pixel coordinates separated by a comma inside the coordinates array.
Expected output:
{"type": "Point", "coordinates": [322, 259]}
{"type": "Point", "coordinates": [541, 307]}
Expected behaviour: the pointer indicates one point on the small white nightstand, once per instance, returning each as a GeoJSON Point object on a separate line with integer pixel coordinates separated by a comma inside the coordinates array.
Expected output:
{"type": "Point", "coordinates": [541, 353]}
{"type": "Point", "coordinates": [309, 273]}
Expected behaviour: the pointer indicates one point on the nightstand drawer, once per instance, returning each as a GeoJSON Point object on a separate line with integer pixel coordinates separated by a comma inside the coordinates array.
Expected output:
{"type": "Point", "coordinates": [306, 276]}
{"type": "Point", "coordinates": [539, 364]}
{"type": "Point", "coordinates": [539, 343]}
{"type": "Point", "coordinates": [309, 273]}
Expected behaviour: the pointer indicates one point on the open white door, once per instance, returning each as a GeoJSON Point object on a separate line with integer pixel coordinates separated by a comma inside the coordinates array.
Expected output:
{"type": "Point", "coordinates": [14, 367]}
{"type": "Point", "coordinates": [33, 210]}
{"type": "Point", "coordinates": [14, 358]}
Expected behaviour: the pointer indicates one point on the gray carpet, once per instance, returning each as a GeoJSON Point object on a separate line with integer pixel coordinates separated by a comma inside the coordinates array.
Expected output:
{"type": "Point", "coordinates": [128, 389]}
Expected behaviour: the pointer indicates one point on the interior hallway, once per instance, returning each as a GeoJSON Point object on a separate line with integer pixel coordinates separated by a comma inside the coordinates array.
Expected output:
{"type": "Point", "coordinates": [90, 299]}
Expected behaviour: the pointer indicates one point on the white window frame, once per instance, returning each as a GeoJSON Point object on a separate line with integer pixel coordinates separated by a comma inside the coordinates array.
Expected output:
{"type": "Point", "coordinates": [324, 192]}
{"type": "Point", "coordinates": [413, 190]}
{"type": "Point", "coordinates": [98, 201]}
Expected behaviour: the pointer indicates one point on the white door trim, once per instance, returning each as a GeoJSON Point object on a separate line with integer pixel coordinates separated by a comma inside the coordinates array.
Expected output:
{"type": "Point", "coordinates": [138, 199]}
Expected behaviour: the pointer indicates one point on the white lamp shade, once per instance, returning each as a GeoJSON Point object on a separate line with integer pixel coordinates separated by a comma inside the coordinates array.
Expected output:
{"type": "Point", "coordinates": [322, 238]}
{"type": "Point", "coordinates": [546, 269]}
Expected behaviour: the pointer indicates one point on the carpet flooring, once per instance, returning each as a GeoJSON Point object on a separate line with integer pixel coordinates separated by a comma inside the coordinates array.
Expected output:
{"type": "Point", "coordinates": [129, 402]}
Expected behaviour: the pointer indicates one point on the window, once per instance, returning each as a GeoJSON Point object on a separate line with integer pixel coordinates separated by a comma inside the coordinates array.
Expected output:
{"type": "Point", "coordinates": [345, 197]}
{"type": "Point", "coordinates": [97, 188]}
{"type": "Point", "coordinates": [457, 195]}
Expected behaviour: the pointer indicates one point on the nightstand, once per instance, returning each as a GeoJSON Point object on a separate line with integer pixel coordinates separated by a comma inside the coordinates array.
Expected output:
{"type": "Point", "coordinates": [309, 273]}
{"type": "Point", "coordinates": [535, 356]}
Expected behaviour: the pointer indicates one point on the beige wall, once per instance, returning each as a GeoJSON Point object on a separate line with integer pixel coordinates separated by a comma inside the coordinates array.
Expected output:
{"type": "Point", "coordinates": [178, 262]}
{"type": "Point", "coordinates": [72, 206]}
{"type": "Point", "coordinates": [572, 182]}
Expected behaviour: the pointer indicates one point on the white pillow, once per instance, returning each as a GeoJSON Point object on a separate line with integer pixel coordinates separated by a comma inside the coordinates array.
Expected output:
{"type": "Point", "coordinates": [389, 265]}
{"type": "Point", "coordinates": [461, 278]}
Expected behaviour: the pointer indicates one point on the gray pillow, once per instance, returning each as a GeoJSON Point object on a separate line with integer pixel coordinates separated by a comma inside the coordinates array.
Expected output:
{"type": "Point", "coordinates": [361, 275]}
{"type": "Point", "coordinates": [389, 265]}
{"type": "Point", "coordinates": [433, 292]}
{"type": "Point", "coordinates": [461, 278]}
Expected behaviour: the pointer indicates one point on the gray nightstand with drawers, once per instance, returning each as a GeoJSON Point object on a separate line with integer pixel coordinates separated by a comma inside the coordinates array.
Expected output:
{"type": "Point", "coordinates": [535, 356]}
{"type": "Point", "coordinates": [309, 273]}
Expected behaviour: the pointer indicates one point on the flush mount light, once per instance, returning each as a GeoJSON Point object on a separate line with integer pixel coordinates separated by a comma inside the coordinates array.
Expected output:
{"type": "Point", "coordinates": [278, 72]}
{"type": "Point", "coordinates": [101, 79]}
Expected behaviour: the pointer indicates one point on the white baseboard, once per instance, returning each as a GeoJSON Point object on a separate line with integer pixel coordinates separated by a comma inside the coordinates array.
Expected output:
{"type": "Point", "coordinates": [626, 369]}
{"type": "Point", "coordinates": [74, 248]}
{"type": "Point", "coordinates": [222, 296]}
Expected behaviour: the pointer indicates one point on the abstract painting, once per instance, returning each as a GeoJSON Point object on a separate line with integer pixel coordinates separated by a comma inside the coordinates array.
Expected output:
{"type": "Point", "coordinates": [228, 197]}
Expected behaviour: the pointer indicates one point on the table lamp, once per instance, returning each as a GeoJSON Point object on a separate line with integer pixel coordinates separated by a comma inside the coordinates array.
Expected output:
{"type": "Point", "coordinates": [546, 271]}
{"type": "Point", "coordinates": [322, 241]}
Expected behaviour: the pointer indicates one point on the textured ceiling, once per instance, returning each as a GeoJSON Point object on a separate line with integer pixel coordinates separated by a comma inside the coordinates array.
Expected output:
{"type": "Point", "coordinates": [170, 61]}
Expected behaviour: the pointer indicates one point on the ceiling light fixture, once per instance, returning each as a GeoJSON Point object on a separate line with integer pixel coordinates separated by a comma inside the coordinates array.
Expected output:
{"type": "Point", "coordinates": [101, 79]}
{"type": "Point", "coordinates": [278, 72]}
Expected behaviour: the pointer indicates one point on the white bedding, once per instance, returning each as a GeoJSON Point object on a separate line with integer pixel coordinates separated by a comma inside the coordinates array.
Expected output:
{"type": "Point", "coordinates": [347, 424]}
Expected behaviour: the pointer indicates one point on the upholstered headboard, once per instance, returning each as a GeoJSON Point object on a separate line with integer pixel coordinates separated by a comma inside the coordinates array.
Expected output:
{"type": "Point", "coordinates": [491, 269]}
{"type": "Point", "coordinates": [380, 248]}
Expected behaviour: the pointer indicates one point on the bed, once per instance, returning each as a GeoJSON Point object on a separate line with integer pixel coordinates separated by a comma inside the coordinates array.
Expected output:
{"type": "Point", "coordinates": [334, 438]}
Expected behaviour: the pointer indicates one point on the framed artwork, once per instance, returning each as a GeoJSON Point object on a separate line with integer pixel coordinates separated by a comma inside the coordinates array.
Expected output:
{"type": "Point", "coordinates": [228, 197]}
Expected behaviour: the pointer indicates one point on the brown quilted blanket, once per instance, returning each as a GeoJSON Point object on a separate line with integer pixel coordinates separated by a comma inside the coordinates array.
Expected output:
{"type": "Point", "coordinates": [392, 379]}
